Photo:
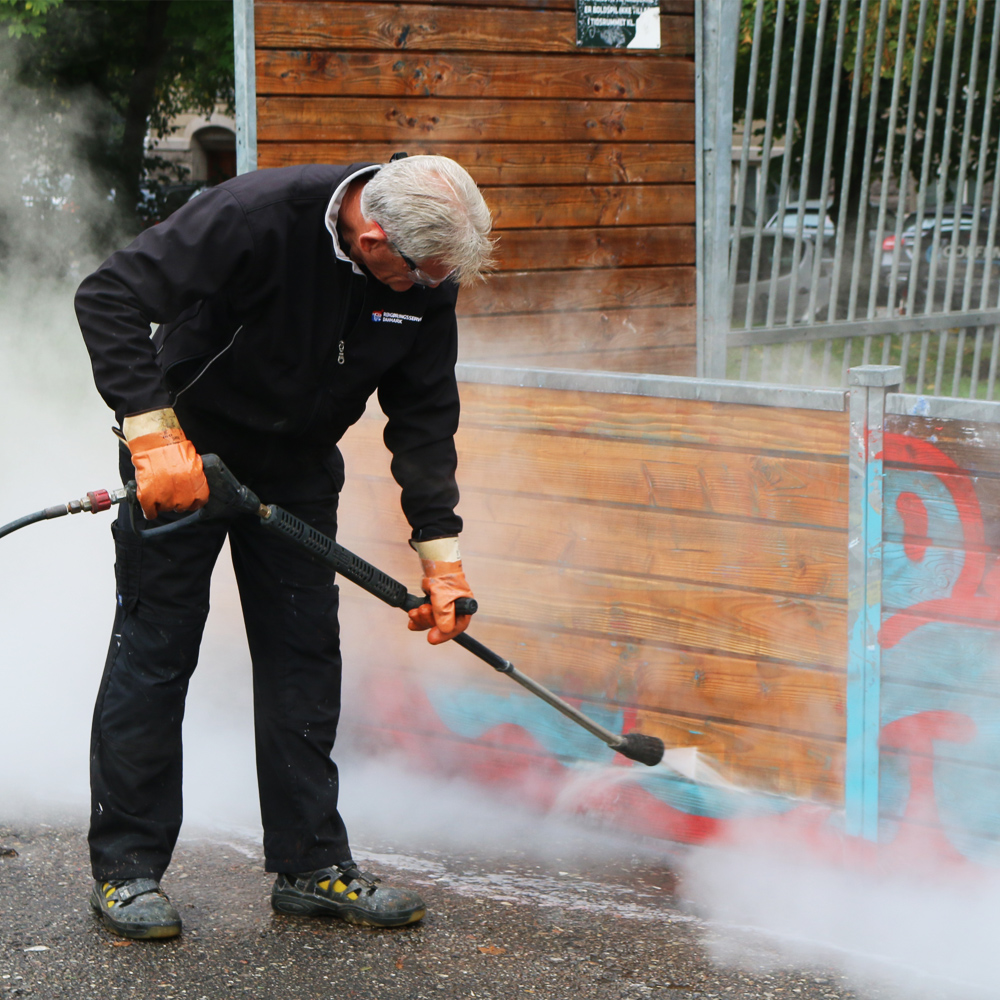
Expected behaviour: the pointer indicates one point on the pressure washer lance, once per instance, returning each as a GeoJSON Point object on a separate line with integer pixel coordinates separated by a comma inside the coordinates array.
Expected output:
{"type": "Point", "coordinates": [94, 502]}
{"type": "Point", "coordinates": [228, 497]}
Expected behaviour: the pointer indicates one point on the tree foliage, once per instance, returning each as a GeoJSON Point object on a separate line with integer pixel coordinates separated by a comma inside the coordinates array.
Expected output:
{"type": "Point", "coordinates": [875, 77]}
{"type": "Point", "coordinates": [112, 74]}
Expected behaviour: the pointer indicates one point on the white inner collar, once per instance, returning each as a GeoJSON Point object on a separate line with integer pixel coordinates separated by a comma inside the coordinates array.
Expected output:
{"type": "Point", "coordinates": [333, 212]}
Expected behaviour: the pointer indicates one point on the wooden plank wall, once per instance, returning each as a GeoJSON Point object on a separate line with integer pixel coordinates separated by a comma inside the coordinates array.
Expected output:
{"type": "Point", "coordinates": [940, 746]}
{"type": "Point", "coordinates": [679, 563]}
{"type": "Point", "coordinates": [586, 157]}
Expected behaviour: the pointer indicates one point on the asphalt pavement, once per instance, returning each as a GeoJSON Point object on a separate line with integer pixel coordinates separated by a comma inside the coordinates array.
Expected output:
{"type": "Point", "coordinates": [502, 926]}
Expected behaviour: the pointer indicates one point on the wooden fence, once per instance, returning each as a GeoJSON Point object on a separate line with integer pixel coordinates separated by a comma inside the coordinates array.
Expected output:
{"type": "Point", "coordinates": [672, 565]}
{"type": "Point", "coordinates": [681, 564]}
{"type": "Point", "coordinates": [586, 157]}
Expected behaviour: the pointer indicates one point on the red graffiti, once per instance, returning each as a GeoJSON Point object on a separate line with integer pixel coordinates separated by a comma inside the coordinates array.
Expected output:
{"type": "Point", "coordinates": [914, 515]}
{"type": "Point", "coordinates": [920, 836]}
{"type": "Point", "coordinates": [964, 602]}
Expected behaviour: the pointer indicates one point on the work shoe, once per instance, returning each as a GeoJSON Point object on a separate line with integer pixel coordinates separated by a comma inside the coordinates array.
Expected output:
{"type": "Point", "coordinates": [135, 908]}
{"type": "Point", "coordinates": [345, 892]}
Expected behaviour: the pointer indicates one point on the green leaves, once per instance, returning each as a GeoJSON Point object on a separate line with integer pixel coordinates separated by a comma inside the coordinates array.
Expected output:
{"type": "Point", "coordinates": [25, 17]}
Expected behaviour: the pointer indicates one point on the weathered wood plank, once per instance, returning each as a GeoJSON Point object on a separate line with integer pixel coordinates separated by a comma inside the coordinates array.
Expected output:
{"type": "Point", "coordinates": [645, 361]}
{"type": "Point", "coordinates": [303, 119]}
{"type": "Point", "coordinates": [525, 335]}
{"type": "Point", "coordinates": [609, 246]}
{"type": "Point", "coordinates": [723, 621]}
{"type": "Point", "coordinates": [667, 6]}
{"type": "Point", "coordinates": [942, 508]}
{"type": "Point", "coordinates": [726, 484]}
{"type": "Point", "coordinates": [921, 442]}
{"type": "Point", "coordinates": [657, 421]}
{"type": "Point", "coordinates": [547, 291]}
{"type": "Point", "coordinates": [482, 74]}
{"type": "Point", "coordinates": [645, 542]}
{"type": "Point", "coordinates": [573, 205]}
{"type": "Point", "coordinates": [293, 24]}
{"type": "Point", "coordinates": [527, 163]}
{"type": "Point", "coordinates": [907, 580]}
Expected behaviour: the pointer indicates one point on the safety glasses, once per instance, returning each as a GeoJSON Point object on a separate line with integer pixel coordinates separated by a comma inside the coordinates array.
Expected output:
{"type": "Point", "coordinates": [414, 273]}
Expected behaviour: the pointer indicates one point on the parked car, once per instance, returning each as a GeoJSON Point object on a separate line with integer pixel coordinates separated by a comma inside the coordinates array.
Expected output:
{"type": "Point", "coordinates": [919, 273]}
{"type": "Point", "coordinates": [793, 276]}
{"type": "Point", "coordinates": [810, 220]}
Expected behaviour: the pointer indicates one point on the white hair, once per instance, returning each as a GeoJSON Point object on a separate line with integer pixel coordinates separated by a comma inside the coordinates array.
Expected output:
{"type": "Point", "coordinates": [430, 209]}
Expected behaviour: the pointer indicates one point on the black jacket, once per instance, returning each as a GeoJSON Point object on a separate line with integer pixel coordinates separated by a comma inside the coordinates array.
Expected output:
{"type": "Point", "coordinates": [269, 347]}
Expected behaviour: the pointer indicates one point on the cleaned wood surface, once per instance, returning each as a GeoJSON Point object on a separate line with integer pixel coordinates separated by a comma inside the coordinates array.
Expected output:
{"type": "Point", "coordinates": [547, 291]}
{"type": "Point", "coordinates": [512, 336]}
{"type": "Point", "coordinates": [649, 360]}
{"type": "Point", "coordinates": [666, 6]}
{"type": "Point", "coordinates": [472, 120]}
{"type": "Point", "coordinates": [473, 74]}
{"type": "Point", "coordinates": [513, 163]}
{"type": "Point", "coordinates": [596, 247]}
{"type": "Point", "coordinates": [664, 421]}
{"type": "Point", "coordinates": [720, 483]}
{"type": "Point", "coordinates": [639, 541]}
{"type": "Point", "coordinates": [341, 24]}
{"type": "Point", "coordinates": [577, 205]}
{"type": "Point", "coordinates": [559, 139]}
{"type": "Point", "coordinates": [724, 620]}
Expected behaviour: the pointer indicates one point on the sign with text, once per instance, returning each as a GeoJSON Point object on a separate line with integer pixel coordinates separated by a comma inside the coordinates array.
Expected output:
{"type": "Point", "coordinates": [618, 24]}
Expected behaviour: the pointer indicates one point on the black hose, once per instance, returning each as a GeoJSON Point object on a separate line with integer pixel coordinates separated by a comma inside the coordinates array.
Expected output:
{"type": "Point", "coordinates": [39, 515]}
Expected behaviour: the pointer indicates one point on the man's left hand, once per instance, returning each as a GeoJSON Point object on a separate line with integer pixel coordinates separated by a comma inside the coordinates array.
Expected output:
{"type": "Point", "coordinates": [443, 582]}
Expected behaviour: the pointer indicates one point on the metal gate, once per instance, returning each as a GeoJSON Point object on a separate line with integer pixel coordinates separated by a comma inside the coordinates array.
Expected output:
{"type": "Point", "coordinates": [850, 188]}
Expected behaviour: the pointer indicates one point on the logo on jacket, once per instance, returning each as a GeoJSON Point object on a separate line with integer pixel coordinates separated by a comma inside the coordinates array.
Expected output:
{"type": "Point", "coordinates": [380, 316]}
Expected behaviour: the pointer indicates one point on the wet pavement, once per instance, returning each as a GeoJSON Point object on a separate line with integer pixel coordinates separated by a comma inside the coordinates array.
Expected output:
{"type": "Point", "coordinates": [498, 927]}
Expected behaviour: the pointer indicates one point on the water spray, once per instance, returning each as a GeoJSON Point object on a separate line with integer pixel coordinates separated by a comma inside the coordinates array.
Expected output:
{"type": "Point", "coordinates": [229, 498]}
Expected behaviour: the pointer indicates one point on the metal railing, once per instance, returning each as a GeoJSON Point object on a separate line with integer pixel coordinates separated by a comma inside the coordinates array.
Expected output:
{"type": "Point", "coordinates": [869, 235]}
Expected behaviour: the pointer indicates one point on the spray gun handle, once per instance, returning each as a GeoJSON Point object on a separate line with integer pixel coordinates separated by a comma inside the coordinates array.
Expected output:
{"type": "Point", "coordinates": [463, 605]}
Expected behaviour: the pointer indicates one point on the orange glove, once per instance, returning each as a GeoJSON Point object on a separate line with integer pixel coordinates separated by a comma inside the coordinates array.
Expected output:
{"type": "Point", "coordinates": [168, 472]}
{"type": "Point", "coordinates": [443, 582]}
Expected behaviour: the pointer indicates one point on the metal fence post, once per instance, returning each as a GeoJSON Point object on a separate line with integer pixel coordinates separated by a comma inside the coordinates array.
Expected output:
{"type": "Point", "coordinates": [868, 387]}
{"type": "Point", "coordinates": [716, 30]}
{"type": "Point", "coordinates": [246, 86]}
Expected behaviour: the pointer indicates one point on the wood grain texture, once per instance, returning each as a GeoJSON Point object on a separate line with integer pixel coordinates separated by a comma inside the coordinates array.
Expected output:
{"type": "Point", "coordinates": [724, 484]}
{"type": "Point", "coordinates": [293, 24]}
{"type": "Point", "coordinates": [723, 621]}
{"type": "Point", "coordinates": [552, 291]}
{"type": "Point", "coordinates": [958, 510]}
{"type": "Point", "coordinates": [642, 542]}
{"type": "Point", "coordinates": [514, 163]}
{"type": "Point", "coordinates": [972, 446]}
{"type": "Point", "coordinates": [781, 763]}
{"type": "Point", "coordinates": [502, 338]}
{"type": "Point", "coordinates": [557, 206]}
{"type": "Point", "coordinates": [702, 687]}
{"type": "Point", "coordinates": [647, 360]}
{"type": "Point", "coordinates": [598, 247]}
{"type": "Point", "coordinates": [481, 74]}
{"type": "Point", "coordinates": [667, 6]}
{"type": "Point", "coordinates": [303, 119]}
{"type": "Point", "coordinates": [657, 421]}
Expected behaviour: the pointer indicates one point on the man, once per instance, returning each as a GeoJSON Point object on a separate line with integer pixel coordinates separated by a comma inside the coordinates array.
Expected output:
{"type": "Point", "coordinates": [284, 299]}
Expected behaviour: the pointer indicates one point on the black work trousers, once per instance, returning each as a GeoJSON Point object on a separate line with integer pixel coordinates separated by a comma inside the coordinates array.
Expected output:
{"type": "Point", "coordinates": [289, 605]}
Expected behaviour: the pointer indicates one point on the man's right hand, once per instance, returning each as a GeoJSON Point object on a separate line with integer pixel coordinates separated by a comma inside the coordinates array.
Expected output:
{"type": "Point", "coordinates": [168, 472]}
